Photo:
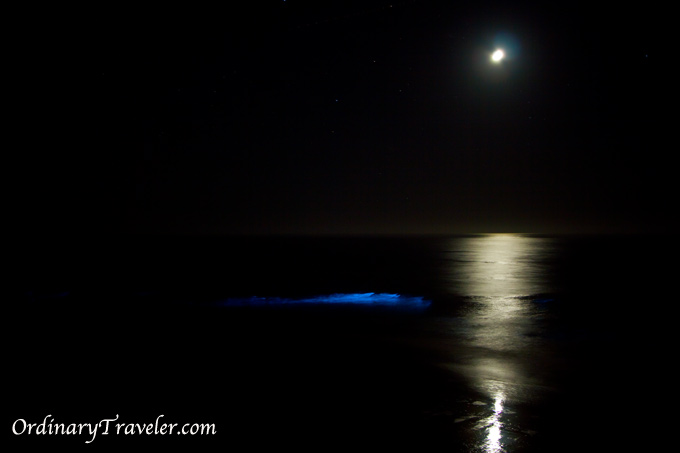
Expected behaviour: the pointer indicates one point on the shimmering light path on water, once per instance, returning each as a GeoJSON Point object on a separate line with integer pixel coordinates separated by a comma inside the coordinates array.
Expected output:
{"type": "Point", "coordinates": [499, 276]}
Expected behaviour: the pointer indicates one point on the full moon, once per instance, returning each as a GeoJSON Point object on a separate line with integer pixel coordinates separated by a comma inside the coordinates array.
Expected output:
{"type": "Point", "coordinates": [497, 55]}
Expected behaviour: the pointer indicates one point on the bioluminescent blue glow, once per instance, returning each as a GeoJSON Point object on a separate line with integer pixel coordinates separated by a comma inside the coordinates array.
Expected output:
{"type": "Point", "coordinates": [543, 301]}
{"type": "Point", "coordinates": [361, 299]}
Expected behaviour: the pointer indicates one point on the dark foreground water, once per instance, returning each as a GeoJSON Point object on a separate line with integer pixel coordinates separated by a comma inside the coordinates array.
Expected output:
{"type": "Point", "coordinates": [483, 343]}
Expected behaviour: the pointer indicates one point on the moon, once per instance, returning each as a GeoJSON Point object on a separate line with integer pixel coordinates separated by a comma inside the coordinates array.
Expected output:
{"type": "Point", "coordinates": [497, 56]}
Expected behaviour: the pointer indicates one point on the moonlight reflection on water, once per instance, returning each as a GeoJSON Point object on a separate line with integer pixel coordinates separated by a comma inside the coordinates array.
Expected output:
{"type": "Point", "coordinates": [499, 275]}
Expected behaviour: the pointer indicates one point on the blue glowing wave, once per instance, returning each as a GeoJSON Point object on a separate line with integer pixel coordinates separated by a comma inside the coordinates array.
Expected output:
{"type": "Point", "coordinates": [361, 299]}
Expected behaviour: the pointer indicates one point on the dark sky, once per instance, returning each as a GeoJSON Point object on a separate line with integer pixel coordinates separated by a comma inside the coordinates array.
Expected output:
{"type": "Point", "coordinates": [360, 117]}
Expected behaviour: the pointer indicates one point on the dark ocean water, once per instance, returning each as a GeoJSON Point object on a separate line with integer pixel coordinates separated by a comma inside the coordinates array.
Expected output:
{"type": "Point", "coordinates": [478, 343]}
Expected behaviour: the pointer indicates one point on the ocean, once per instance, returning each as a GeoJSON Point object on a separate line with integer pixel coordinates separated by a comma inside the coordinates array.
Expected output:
{"type": "Point", "coordinates": [489, 343]}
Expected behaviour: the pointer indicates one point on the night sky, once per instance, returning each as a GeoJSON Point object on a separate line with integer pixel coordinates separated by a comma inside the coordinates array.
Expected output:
{"type": "Point", "coordinates": [354, 117]}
